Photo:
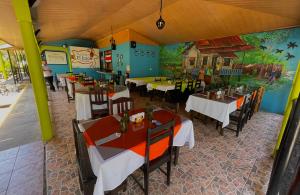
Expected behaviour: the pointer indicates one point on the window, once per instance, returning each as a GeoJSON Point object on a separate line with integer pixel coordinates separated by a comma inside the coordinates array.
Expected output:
{"type": "Point", "coordinates": [226, 61]}
{"type": "Point", "coordinates": [204, 61]}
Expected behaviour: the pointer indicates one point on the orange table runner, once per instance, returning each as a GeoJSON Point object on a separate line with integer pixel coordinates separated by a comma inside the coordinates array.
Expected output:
{"type": "Point", "coordinates": [239, 102]}
{"type": "Point", "coordinates": [135, 137]}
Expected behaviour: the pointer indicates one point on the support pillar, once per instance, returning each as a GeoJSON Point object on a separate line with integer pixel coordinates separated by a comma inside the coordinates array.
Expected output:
{"type": "Point", "coordinates": [23, 16]}
{"type": "Point", "coordinates": [293, 95]}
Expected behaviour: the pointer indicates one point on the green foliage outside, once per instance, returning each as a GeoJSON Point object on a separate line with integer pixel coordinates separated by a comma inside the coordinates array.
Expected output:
{"type": "Point", "coordinates": [4, 64]}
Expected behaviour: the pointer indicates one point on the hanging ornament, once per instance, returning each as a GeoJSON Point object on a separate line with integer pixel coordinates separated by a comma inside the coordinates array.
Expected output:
{"type": "Point", "coordinates": [160, 23]}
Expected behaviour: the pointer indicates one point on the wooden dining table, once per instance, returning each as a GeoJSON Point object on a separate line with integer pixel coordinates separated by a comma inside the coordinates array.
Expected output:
{"type": "Point", "coordinates": [114, 155]}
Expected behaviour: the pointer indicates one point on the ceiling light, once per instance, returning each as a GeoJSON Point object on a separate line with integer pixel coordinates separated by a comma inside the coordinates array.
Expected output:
{"type": "Point", "coordinates": [160, 23]}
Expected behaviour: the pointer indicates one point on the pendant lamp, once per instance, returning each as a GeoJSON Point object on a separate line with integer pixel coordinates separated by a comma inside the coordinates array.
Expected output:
{"type": "Point", "coordinates": [160, 23]}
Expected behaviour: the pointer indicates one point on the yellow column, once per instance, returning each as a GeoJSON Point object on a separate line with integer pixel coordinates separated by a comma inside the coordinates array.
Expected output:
{"type": "Point", "coordinates": [293, 95]}
{"type": "Point", "coordinates": [23, 16]}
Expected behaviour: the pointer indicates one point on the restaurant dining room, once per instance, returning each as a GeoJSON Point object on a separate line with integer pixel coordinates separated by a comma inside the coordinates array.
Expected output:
{"type": "Point", "coordinates": [155, 97]}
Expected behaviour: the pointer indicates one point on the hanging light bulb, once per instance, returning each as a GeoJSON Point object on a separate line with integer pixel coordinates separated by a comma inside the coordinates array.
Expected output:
{"type": "Point", "coordinates": [160, 23]}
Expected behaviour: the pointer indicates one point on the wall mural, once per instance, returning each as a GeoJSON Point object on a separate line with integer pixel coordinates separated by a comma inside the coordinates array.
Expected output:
{"type": "Point", "coordinates": [268, 58]}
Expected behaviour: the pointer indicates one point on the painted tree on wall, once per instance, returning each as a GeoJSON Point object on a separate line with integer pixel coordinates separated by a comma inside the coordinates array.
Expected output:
{"type": "Point", "coordinates": [267, 55]}
{"type": "Point", "coordinates": [171, 58]}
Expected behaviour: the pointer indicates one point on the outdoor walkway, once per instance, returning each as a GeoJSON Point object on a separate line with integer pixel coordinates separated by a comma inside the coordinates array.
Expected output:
{"type": "Point", "coordinates": [21, 170]}
{"type": "Point", "coordinates": [21, 126]}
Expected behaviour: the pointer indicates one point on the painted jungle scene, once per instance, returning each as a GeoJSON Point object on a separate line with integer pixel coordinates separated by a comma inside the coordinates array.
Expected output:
{"type": "Point", "coordinates": [268, 59]}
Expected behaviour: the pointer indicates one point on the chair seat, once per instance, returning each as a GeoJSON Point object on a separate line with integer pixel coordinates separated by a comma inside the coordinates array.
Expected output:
{"type": "Point", "coordinates": [234, 116]}
{"type": "Point", "coordinates": [156, 163]}
{"type": "Point", "coordinates": [100, 113]}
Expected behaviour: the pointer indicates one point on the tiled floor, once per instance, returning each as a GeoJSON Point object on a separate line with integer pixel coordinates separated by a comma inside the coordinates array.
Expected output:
{"type": "Point", "coordinates": [216, 165]}
{"type": "Point", "coordinates": [21, 170]}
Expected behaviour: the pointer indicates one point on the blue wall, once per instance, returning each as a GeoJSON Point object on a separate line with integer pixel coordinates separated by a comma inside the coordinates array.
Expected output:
{"type": "Point", "coordinates": [146, 64]}
{"type": "Point", "coordinates": [144, 60]}
{"type": "Point", "coordinates": [62, 68]}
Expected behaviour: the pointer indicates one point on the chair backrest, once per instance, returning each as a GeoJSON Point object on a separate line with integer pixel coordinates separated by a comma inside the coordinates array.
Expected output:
{"type": "Point", "coordinates": [157, 134]}
{"type": "Point", "coordinates": [198, 84]}
{"type": "Point", "coordinates": [190, 85]}
{"type": "Point", "coordinates": [123, 104]}
{"type": "Point", "coordinates": [254, 99]}
{"type": "Point", "coordinates": [178, 85]}
{"type": "Point", "coordinates": [99, 94]}
{"type": "Point", "coordinates": [245, 105]}
{"type": "Point", "coordinates": [82, 156]}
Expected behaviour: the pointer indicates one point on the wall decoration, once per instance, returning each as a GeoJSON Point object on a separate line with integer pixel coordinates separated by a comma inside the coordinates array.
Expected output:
{"type": "Point", "coordinates": [267, 59]}
{"type": "Point", "coordinates": [148, 53]}
{"type": "Point", "coordinates": [136, 52]}
{"type": "Point", "coordinates": [55, 57]}
{"type": "Point", "coordinates": [119, 60]}
{"type": "Point", "coordinates": [153, 54]}
{"type": "Point", "coordinates": [83, 57]}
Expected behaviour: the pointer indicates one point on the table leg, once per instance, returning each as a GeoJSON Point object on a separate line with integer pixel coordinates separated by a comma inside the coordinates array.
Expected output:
{"type": "Point", "coordinates": [222, 130]}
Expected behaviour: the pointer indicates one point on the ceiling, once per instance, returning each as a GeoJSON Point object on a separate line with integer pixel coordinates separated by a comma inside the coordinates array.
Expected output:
{"type": "Point", "coordinates": [186, 20]}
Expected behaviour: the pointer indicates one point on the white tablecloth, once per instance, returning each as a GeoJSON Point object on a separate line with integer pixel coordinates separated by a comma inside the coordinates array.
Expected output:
{"type": "Point", "coordinates": [113, 171]}
{"type": "Point", "coordinates": [214, 109]}
{"type": "Point", "coordinates": [164, 88]}
{"type": "Point", "coordinates": [83, 106]}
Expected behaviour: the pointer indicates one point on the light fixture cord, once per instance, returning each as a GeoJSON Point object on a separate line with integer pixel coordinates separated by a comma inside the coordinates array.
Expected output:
{"type": "Point", "coordinates": [160, 6]}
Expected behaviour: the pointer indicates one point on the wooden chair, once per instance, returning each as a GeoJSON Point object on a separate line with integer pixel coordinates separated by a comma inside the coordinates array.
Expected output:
{"type": "Point", "coordinates": [188, 90]}
{"type": "Point", "coordinates": [70, 98]}
{"type": "Point", "coordinates": [153, 136]}
{"type": "Point", "coordinates": [198, 88]}
{"type": "Point", "coordinates": [253, 104]}
{"type": "Point", "coordinates": [98, 97]}
{"type": "Point", "coordinates": [87, 179]}
{"type": "Point", "coordinates": [238, 118]}
{"type": "Point", "coordinates": [122, 105]}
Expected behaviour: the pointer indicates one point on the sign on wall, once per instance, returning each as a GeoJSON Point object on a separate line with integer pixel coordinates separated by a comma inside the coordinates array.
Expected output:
{"type": "Point", "coordinates": [84, 57]}
{"type": "Point", "coordinates": [54, 57]}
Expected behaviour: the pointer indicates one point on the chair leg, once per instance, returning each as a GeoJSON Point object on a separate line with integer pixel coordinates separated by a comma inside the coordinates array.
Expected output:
{"type": "Point", "coordinates": [238, 130]}
{"type": "Point", "coordinates": [169, 164]}
{"type": "Point", "coordinates": [176, 155]}
{"type": "Point", "coordinates": [146, 181]}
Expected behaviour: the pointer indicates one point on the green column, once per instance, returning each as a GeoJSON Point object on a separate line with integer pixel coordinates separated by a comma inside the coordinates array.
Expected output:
{"type": "Point", "coordinates": [293, 95]}
{"type": "Point", "coordinates": [23, 16]}
{"type": "Point", "coordinates": [2, 66]}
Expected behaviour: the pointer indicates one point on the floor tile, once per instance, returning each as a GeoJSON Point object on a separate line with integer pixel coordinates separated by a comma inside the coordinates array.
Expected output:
{"type": "Point", "coordinates": [27, 173]}
{"type": "Point", "coordinates": [7, 165]}
{"type": "Point", "coordinates": [4, 181]}
{"type": "Point", "coordinates": [8, 154]}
